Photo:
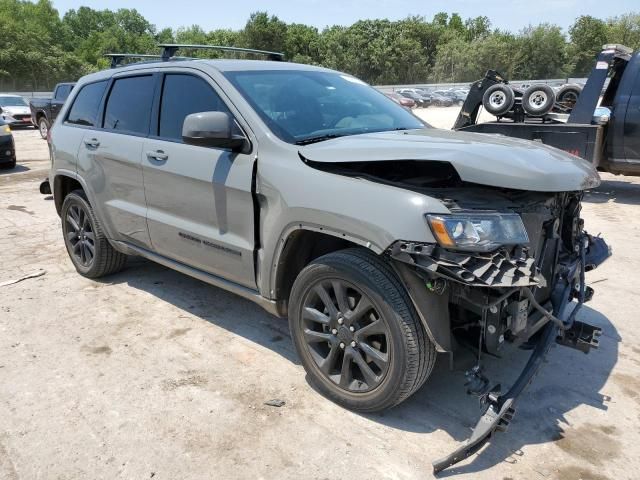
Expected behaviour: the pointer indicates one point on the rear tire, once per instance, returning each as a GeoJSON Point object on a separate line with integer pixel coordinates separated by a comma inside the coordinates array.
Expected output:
{"type": "Point", "coordinates": [498, 99]}
{"type": "Point", "coordinates": [87, 246]}
{"type": "Point", "coordinates": [538, 100]}
{"type": "Point", "coordinates": [349, 308]}
{"type": "Point", "coordinates": [43, 127]}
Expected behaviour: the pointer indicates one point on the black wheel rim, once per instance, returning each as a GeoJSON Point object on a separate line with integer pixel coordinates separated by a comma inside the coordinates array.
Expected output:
{"type": "Point", "coordinates": [346, 336]}
{"type": "Point", "coordinates": [80, 235]}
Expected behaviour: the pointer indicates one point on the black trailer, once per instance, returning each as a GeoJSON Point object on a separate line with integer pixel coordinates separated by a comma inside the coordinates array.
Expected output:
{"type": "Point", "coordinates": [612, 145]}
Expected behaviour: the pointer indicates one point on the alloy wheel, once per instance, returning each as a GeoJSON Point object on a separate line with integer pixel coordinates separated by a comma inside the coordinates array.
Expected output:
{"type": "Point", "coordinates": [80, 235]}
{"type": "Point", "coordinates": [346, 336]}
{"type": "Point", "coordinates": [44, 129]}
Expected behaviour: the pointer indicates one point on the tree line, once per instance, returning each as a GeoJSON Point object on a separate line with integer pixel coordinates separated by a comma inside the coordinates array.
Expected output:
{"type": "Point", "coordinates": [39, 48]}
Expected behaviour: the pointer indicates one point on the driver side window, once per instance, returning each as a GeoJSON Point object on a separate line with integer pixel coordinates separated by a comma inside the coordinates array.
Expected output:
{"type": "Point", "coordinates": [183, 95]}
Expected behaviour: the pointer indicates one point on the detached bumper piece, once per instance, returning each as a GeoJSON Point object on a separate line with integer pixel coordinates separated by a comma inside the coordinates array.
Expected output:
{"type": "Point", "coordinates": [500, 410]}
{"type": "Point", "coordinates": [581, 336]}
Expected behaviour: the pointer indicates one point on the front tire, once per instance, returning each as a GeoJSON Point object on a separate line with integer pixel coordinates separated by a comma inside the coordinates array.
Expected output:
{"type": "Point", "coordinates": [87, 246]}
{"type": "Point", "coordinates": [357, 333]}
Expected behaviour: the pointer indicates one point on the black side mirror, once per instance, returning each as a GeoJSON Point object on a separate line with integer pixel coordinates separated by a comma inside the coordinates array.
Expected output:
{"type": "Point", "coordinates": [212, 129]}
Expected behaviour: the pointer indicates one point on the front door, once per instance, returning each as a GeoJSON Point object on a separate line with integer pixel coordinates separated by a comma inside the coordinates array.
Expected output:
{"type": "Point", "coordinates": [199, 201]}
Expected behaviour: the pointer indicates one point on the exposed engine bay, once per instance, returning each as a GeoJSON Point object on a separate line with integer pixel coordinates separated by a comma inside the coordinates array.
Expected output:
{"type": "Point", "coordinates": [518, 295]}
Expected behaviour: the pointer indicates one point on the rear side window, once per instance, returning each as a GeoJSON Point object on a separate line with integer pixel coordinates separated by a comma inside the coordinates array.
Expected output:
{"type": "Point", "coordinates": [84, 110]}
{"type": "Point", "coordinates": [183, 95]}
{"type": "Point", "coordinates": [129, 105]}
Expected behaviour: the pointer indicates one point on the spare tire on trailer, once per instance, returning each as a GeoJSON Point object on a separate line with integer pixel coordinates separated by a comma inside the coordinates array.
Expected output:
{"type": "Point", "coordinates": [538, 100]}
{"type": "Point", "coordinates": [498, 99]}
{"type": "Point", "coordinates": [568, 95]}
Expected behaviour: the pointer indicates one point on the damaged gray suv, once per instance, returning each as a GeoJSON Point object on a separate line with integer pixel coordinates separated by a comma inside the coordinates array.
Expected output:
{"type": "Point", "coordinates": [305, 190]}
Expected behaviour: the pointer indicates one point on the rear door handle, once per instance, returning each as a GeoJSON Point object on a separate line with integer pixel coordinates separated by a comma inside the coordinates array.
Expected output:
{"type": "Point", "coordinates": [158, 155]}
{"type": "Point", "coordinates": [93, 143]}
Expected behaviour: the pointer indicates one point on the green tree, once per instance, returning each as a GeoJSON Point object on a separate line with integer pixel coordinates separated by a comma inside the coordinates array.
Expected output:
{"type": "Point", "coordinates": [587, 35]}
{"type": "Point", "coordinates": [540, 53]}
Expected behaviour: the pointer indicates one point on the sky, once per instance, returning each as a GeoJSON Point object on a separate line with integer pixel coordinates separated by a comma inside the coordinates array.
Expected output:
{"type": "Point", "coordinates": [511, 15]}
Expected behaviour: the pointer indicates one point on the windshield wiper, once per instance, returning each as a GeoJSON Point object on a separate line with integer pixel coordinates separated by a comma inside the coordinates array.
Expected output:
{"type": "Point", "coordinates": [319, 138]}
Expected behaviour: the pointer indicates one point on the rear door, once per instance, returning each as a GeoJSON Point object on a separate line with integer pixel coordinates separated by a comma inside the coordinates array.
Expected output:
{"type": "Point", "coordinates": [110, 158]}
{"type": "Point", "coordinates": [81, 118]}
{"type": "Point", "coordinates": [199, 201]}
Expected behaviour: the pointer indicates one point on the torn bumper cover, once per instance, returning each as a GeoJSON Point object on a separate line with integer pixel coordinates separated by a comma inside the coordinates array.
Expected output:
{"type": "Point", "coordinates": [512, 271]}
{"type": "Point", "coordinates": [492, 269]}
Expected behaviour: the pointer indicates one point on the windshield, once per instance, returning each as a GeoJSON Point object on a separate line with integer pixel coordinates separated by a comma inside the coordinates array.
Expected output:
{"type": "Point", "coordinates": [12, 102]}
{"type": "Point", "coordinates": [306, 106]}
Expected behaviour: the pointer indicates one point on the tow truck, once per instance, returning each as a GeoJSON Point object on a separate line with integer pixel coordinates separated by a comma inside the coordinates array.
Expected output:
{"type": "Point", "coordinates": [611, 142]}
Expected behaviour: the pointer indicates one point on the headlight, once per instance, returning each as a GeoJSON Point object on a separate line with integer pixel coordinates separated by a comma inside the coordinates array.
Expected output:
{"type": "Point", "coordinates": [478, 232]}
{"type": "Point", "coordinates": [5, 129]}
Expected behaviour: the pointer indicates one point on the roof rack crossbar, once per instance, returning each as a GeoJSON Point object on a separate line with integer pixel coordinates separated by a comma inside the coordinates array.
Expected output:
{"type": "Point", "coordinates": [170, 49]}
{"type": "Point", "coordinates": [117, 58]}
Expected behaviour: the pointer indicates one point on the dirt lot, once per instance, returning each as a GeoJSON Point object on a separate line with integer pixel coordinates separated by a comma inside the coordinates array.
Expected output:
{"type": "Point", "coordinates": [151, 374]}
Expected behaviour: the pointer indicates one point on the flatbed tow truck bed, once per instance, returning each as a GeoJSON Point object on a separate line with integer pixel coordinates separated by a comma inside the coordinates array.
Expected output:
{"type": "Point", "coordinates": [612, 146]}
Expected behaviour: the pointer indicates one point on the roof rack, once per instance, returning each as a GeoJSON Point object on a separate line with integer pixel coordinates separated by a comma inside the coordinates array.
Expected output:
{"type": "Point", "coordinates": [170, 49]}
{"type": "Point", "coordinates": [117, 58]}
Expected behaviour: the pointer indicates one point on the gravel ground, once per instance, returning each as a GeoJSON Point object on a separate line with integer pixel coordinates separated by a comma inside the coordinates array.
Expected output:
{"type": "Point", "coordinates": [151, 374]}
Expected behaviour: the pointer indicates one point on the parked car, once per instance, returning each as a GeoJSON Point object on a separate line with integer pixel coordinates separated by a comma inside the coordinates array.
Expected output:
{"type": "Point", "coordinates": [404, 101]}
{"type": "Point", "coordinates": [45, 110]}
{"type": "Point", "coordinates": [456, 96]}
{"type": "Point", "coordinates": [440, 100]}
{"type": "Point", "coordinates": [7, 146]}
{"type": "Point", "coordinates": [307, 192]}
{"type": "Point", "coordinates": [14, 110]}
{"type": "Point", "coordinates": [418, 98]}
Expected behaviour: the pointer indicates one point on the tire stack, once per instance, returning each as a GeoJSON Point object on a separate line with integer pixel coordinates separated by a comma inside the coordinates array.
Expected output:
{"type": "Point", "coordinates": [536, 100]}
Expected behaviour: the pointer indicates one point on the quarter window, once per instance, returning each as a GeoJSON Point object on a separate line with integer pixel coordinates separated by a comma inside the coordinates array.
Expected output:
{"type": "Point", "coordinates": [183, 95]}
{"type": "Point", "coordinates": [84, 110]}
{"type": "Point", "coordinates": [62, 92]}
{"type": "Point", "coordinates": [129, 105]}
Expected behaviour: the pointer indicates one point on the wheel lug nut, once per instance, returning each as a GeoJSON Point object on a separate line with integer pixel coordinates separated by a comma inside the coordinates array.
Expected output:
{"type": "Point", "coordinates": [341, 345]}
{"type": "Point", "coordinates": [334, 331]}
{"type": "Point", "coordinates": [353, 344]}
{"type": "Point", "coordinates": [340, 320]}
{"type": "Point", "coordinates": [352, 329]}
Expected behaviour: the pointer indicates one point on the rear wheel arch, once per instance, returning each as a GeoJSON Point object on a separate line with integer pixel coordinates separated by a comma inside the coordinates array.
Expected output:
{"type": "Point", "coordinates": [63, 185]}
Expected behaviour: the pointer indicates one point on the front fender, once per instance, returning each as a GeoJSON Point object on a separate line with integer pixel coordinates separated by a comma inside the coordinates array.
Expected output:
{"type": "Point", "coordinates": [366, 213]}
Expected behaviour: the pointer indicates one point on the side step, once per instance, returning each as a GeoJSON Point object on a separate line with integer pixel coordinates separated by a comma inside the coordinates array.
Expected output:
{"type": "Point", "coordinates": [580, 336]}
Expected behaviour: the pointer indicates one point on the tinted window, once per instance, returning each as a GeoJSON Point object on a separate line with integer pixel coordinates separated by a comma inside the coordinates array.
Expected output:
{"type": "Point", "coordinates": [63, 91]}
{"type": "Point", "coordinates": [84, 110]}
{"type": "Point", "coordinates": [129, 104]}
{"type": "Point", "coordinates": [183, 95]}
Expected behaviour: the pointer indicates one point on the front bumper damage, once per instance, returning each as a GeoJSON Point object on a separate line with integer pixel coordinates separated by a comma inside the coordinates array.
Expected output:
{"type": "Point", "coordinates": [506, 274]}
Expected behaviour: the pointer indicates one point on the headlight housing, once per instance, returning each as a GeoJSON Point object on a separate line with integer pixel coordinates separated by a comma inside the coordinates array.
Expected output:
{"type": "Point", "coordinates": [478, 232]}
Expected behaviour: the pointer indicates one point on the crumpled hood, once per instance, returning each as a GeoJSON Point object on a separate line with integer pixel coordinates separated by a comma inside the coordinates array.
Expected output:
{"type": "Point", "coordinates": [484, 159]}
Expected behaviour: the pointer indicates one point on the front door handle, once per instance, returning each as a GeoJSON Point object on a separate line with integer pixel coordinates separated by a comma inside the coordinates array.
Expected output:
{"type": "Point", "coordinates": [93, 143]}
{"type": "Point", "coordinates": [158, 155]}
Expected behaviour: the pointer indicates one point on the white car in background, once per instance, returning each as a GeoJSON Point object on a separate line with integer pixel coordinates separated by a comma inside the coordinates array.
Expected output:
{"type": "Point", "coordinates": [15, 110]}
